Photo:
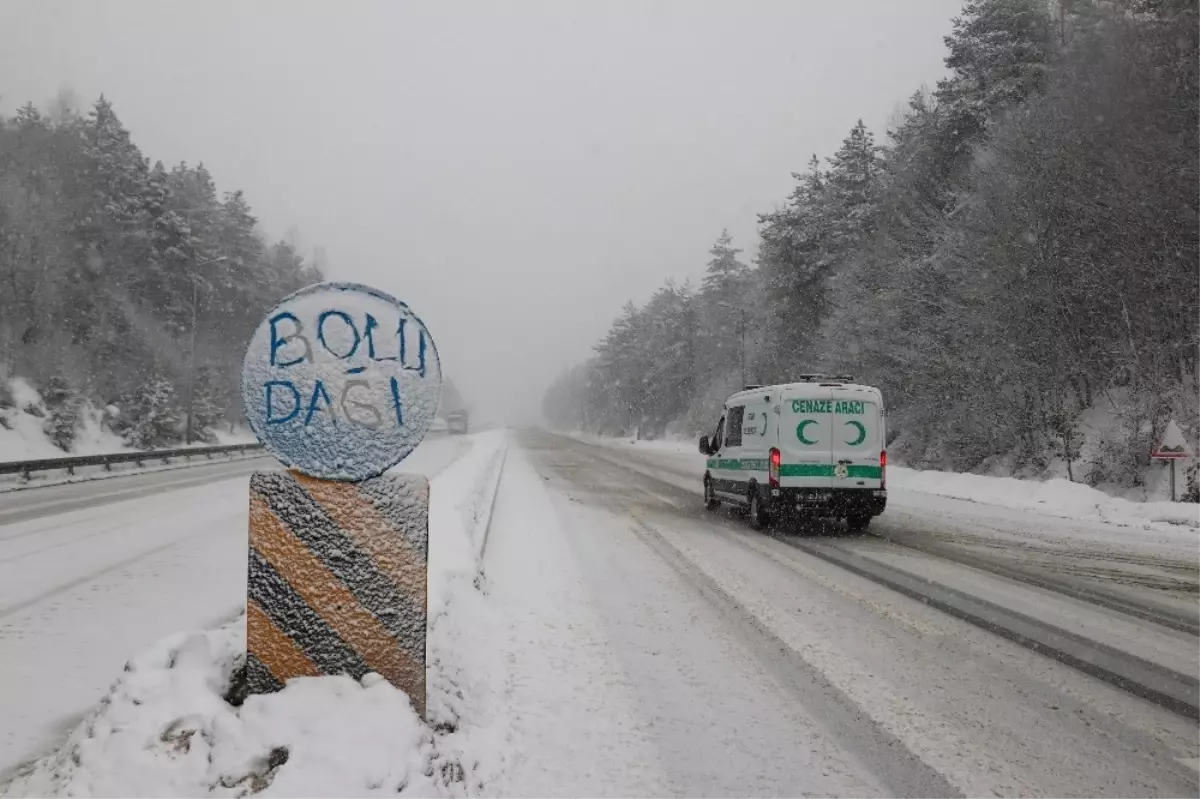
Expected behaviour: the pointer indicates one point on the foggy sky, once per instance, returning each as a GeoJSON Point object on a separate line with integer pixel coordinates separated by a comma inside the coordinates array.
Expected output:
{"type": "Point", "coordinates": [513, 171]}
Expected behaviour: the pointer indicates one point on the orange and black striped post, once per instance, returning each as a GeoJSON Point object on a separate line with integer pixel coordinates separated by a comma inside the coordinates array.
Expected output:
{"type": "Point", "coordinates": [340, 382]}
{"type": "Point", "coordinates": [337, 580]}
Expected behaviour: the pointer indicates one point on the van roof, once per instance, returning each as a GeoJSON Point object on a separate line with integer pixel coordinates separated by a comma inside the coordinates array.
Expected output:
{"type": "Point", "coordinates": [806, 386]}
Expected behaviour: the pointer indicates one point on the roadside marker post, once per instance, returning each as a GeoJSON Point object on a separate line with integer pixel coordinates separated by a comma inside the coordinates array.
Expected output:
{"type": "Point", "coordinates": [1172, 447]}
{"type": "Point", "coordinates": [340, 382]}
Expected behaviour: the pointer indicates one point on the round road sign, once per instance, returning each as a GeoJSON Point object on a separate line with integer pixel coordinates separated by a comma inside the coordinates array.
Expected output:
{"type": "Point", "coordinates": [341, 381]}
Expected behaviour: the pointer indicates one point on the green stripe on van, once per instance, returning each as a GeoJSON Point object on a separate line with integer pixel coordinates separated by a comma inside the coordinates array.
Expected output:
{"type": "Point", "coordinates": [827, 470]}
{"type": "Point", "coordinates": [739, 464]}
{"type": "Point", "coordinates": [795, 469]}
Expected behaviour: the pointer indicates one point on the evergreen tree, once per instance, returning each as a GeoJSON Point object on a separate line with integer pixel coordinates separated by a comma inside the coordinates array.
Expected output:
{"type": "Point", "coordinates": [723, 307]}
{"type": "Point", "coordinates": [101, 256]}
{"type": "Point", "coordinates": [999, 56]}
{"type": "Point", "coordinates": [63, 408]}
{"type": "Point", "coordinates": [153, 418]}
{"type": "Point", "coordinates": [211, 402]}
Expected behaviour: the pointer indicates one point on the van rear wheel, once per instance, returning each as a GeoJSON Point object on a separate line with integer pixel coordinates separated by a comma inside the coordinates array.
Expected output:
{"type": "Point", "coordinates": [858, 523]}
{"type": "Point", "coordinates": [757, 513]}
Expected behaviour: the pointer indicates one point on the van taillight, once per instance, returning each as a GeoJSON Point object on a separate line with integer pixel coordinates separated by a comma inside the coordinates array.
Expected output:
{"type": "Point", "coordinates": [882, 468]}
{"type": "Point", "coordinates": [773, 473]}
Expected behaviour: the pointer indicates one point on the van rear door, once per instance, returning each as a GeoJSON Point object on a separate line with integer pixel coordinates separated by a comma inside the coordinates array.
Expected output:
{"type": "Point", "coordinates": [857, 438]}
{"type": "Point", "coordinates": [805, 438]}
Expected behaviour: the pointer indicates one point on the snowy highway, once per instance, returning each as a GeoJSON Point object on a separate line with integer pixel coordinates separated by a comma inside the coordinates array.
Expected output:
{"type": "Point", "coordinates": [624, 641]}
{"type": "Point", "coordinates": [701, 658]}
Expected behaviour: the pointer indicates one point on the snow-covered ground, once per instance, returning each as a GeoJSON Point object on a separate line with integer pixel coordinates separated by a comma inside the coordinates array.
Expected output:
{"type": "Point", "coordinates": [1054, 529]}
{"type": "Point", "coordinates": [618, 640]}
{"type": "Point", "coordinates": [83, 591]}
{"type": "Point", "coordinates": [1057, 497]}
{"type": "Point", "coordinates": [22, 436]}
{"type": "Point", "coordinates": [600, 662]}
{"type": "Point", "coordinates": [1051, 497]}
{"type": "Point", "coordinates": [165, 729]}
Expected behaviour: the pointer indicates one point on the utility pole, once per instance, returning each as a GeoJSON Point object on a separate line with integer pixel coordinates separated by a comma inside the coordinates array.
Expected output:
{"type": "Point", "coordinates": [743, 326]}
{"type": "Point", "coordinates": [189, 428]}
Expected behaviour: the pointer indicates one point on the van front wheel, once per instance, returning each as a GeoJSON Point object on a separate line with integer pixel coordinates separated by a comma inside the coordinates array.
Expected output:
{"type": "Point", "coordinates": [758, 514]}
{"type": "Point", "coordinates": [710, 497]}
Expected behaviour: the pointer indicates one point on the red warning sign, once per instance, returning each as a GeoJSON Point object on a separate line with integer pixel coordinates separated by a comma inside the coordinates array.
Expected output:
{"type": "Point", "coordinates": [1173, 445]}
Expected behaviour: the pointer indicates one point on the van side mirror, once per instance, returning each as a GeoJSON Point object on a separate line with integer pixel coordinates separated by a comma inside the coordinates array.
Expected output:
{"type": "Point", "coordinates": [704, 445]}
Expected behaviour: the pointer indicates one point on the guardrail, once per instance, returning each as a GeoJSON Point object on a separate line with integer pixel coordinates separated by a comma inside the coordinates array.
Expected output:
{"type": "Point", "coordinates": [71, 462]}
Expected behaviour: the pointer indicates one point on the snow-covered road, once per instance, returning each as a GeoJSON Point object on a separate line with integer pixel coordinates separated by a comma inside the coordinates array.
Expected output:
{"type": "Point", "coordinates": [652, 648]}
{"type": "Point", "coordinates": [624, 641]}
{"type": "Point", "coordinates": [91, 573]}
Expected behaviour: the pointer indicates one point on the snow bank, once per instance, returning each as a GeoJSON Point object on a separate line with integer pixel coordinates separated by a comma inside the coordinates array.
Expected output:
{"type": "Point", "coordinates": [464, 669]}
{"type": "Point", "coordinates": [165, 728]}
{"type": "Point", "coordinates": [460, 501]}
{"type": "Point", "coordinates": [1051, 497]}
{"type": "Point", "coordinates": [22, 436]}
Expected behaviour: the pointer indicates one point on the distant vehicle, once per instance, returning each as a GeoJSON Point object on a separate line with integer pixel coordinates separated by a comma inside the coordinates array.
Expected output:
{"type": "Point", "coordinates": [439, 425]}
{"type": "Point", "coordinates": [814, 447]}
{"type": "Point", "coordinates": [456, 421]}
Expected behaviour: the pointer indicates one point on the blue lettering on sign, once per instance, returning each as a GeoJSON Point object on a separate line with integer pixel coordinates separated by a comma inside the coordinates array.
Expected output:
{"type": "Point", "coordinates": [401, 338]}
{"type": "Point", "coordinates": [341, 381]}
{"type": "Point", "coordinates": [345, 317]}
{"type": "Point", "coordinates": [370, 336]}
{"type": "Point", "coordinates": [277, 342]}
{"type": "Point", "coordinates": [420, 354]}
{"type": "Point", "coordinates": [318, 393]}
{"type": "Point", "coordinates": [270, 405]}
{"type": "Point", "coordinates": [396, 401]}
{"type": "Point", "coordinates": [401, 334]}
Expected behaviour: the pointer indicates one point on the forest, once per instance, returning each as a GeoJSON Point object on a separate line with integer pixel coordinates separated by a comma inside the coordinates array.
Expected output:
{"type": "Point", "coordinates": [125, 284]}
{"type": "Point", "coordinates": [1014, 263]}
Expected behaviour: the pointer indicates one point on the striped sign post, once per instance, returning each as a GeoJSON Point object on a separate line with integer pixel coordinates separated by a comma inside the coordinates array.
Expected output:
{"type": "Point", "coordinates": [340, 382]}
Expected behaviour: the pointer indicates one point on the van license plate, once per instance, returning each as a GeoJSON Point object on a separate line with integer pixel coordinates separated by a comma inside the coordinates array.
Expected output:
{"type": "Point", "coordinates": [815, 498]}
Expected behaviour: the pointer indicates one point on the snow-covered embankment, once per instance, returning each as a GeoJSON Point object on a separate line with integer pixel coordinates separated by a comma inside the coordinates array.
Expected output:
{"type": "Point", "coordinates": [165, 728]}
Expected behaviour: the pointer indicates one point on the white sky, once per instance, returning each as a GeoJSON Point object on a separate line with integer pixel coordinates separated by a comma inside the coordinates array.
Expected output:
{"type": "Point", "coordinates": [514, 171]}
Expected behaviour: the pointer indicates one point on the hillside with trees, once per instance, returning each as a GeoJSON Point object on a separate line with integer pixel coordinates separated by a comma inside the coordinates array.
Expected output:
{"type": "Point", "coordinates": [1014, 264]}
{"type": "Point", "coordinates": [125, 283]}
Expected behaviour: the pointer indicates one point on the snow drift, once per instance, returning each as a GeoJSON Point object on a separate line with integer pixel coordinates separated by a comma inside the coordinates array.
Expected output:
{"type": "Point", "coordinates": [165, 729]}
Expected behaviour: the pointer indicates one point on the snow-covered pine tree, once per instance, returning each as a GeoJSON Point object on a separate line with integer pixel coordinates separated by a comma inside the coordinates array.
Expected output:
{"type": "Point", "coordinates": [153, 415]}
{"type": "Point", "coordinates": [63, 407]}
{"type": "Point", "coordinates": [999, 56]}
{"type": "Point", "coordinates": [722, 310]}
{"type": "Point", "coordinates": [211, 402]}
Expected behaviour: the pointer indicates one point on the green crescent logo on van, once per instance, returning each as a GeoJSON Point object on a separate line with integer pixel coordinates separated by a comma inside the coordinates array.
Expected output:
{"type": "Point", "coordinates": [800, 432]}
{"type": "Point", "coordinates": [862, 434]}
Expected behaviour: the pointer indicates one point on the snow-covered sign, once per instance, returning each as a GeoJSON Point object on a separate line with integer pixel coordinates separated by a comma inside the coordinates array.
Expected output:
{"type": "Point", "coordinates": [1173, 445]}
{"type": "Point", "coordinates": [341, 381]}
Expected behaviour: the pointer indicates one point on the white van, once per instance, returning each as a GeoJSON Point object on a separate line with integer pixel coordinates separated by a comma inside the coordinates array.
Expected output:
{"type": "Point", "coordinates": [814, 447]}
